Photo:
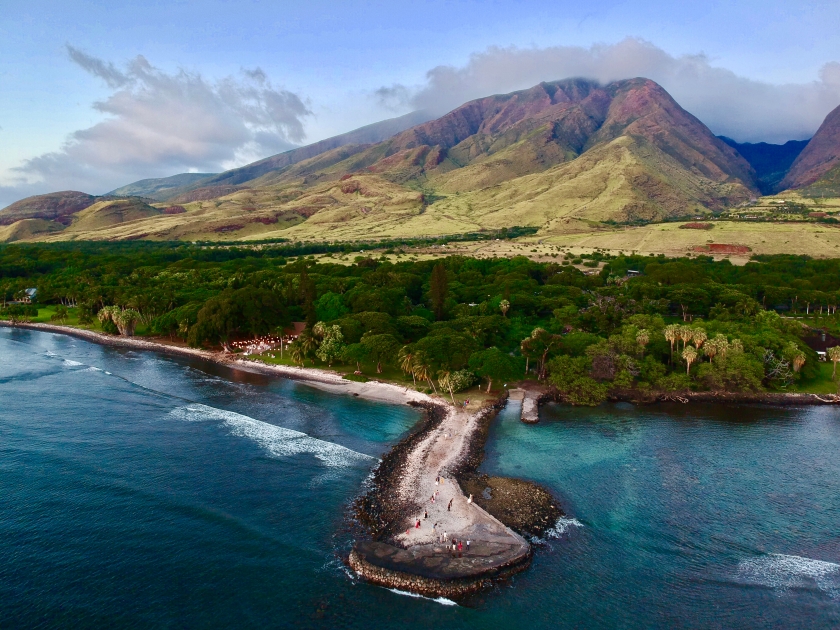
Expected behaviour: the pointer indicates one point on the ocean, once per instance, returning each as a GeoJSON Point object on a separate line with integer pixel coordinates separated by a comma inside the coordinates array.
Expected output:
{"type": "Point", "coordinates": [142, 490]}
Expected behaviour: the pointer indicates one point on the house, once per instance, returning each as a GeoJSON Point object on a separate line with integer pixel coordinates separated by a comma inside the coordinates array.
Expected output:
{"type": "Point", "coordinates": [27, 296]}
{"type": "Point", "coordinates": [632, 273]}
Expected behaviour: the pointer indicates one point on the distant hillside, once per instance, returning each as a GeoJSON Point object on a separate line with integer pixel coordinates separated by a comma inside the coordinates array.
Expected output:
{"type": "Point", "coordinates": [368, 134]}
{"type": "Point", "coordinates": [818, 165]}
{"type": "Point", "coordinates": [771, 162]}
{"type": "Point", "coordinates": [557, 155]}
{"type": "Point", "coordinates": [58, 206]}
{"type": "Point", "coordinates": [158, 189]}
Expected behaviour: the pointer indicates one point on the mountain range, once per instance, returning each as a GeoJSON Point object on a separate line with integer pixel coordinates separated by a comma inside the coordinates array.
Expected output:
{"type": "Point", "coordinates": [556, 156]}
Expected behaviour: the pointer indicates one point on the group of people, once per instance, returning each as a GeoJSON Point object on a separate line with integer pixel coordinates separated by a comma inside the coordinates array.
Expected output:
{"type": "Point", "coordinates": [455, 547]}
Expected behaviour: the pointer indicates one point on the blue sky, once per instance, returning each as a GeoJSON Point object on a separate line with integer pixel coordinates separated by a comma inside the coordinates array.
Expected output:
{"type": "Point", "coordinates": [755, 70]}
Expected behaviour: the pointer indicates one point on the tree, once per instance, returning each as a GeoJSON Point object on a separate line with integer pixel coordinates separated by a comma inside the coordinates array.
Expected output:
{"type": "Point", "coordinates": [307, 297]}
{"type": "Point", "coordinates": [689, 354]}
{"type": "Point", "coordinates": [421, 370]}
{"type": "Point", "coordinates": [381, 348]}
{"type": "Point", "coordinates": [308, 343]}
{"type": "Point", "coordinates": [356, 353]}
{"type": "Point", "coordinates": [795, 355]}
{"type": "Point", "coordinates": [330, 307]}
{"type": "Point", "coordinates": [494, 365]}
{"type": "Point", "coordinates": [670, 331]}
{"type": "Point", "coordinates": [124, 319]}
{"type": "Point", "coordinates": [569, 376]}
{"type": "Point", "coordinates": [698, 337]}
{"type": "Point", "coordinates": [455, 381]}
{"type": "Point", "coordinates": [537, 346]}
{"type": "Point", "coordinates": [504, 306]}
{"type": "Point", "coordinates": [332, 342]}
{"type": "Point", "coordinates": [438, 290]}
{"type": "Point", "coordinates": [406, 357]}
{"type": "Point", "coordinates": [643, 338]}
{"type": "Point", "coordinates": [834, 356]}
{"type": "Point", "coordinates": [60, 314]}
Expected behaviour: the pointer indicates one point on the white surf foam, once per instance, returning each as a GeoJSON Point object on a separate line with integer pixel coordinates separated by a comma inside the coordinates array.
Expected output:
{"type": "Point", "coordinates": [562, 526]}
{"type": "Point", "coordinates": [784, 572]}
{"type": "Point", "coordinates": [438, 600]}
{"type": "Point", "coordinates": [278, 441]}
{"type": "Point", "coordinates": [71, 363]}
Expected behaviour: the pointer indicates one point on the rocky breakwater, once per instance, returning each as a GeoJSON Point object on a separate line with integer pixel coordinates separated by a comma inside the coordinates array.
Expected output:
{"type": "Point", "coordinates": [416, 483]}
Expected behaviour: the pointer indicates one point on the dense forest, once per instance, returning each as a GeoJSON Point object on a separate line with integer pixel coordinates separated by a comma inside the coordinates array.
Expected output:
{"type": "Point", "coordinates": [629, 322]}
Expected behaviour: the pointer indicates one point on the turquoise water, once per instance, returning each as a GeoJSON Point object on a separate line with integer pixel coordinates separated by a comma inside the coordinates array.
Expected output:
{"type": "Point", "coordinates": [138, 490]}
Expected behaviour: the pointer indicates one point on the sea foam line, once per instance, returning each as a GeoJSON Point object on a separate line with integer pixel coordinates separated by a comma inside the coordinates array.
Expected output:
{"type": "Point", "coordinates": [278, 441]}
{"type": "Point", "coordinates": [438, 600]}
{"type": "Point", "coordinates": [783, 572]}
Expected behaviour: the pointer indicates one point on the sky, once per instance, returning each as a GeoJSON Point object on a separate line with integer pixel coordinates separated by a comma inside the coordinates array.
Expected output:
{"type": "Point", "coordinates": [95, 95]}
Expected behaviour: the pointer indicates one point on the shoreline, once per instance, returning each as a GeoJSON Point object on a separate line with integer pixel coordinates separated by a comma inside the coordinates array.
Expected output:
{"type": "Point", "coordinates": [333, 381]}
{"type": "Point", "coordinates": [448, 443]}
{"type": "Point", "coordinates": [415, 563]}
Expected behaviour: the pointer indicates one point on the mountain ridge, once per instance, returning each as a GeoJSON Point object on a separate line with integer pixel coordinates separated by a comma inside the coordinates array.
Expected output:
{"type": "Point", "coordinates": [554, 154]}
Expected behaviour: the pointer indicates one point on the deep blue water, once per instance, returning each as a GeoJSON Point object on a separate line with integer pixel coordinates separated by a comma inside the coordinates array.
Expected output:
{"type": "Point", "coordinates": [138, 490]}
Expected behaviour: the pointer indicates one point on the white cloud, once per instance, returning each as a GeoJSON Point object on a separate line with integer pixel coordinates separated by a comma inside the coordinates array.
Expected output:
{"type": "Point", "coordinates": [731, 105]}
{"type": "Point", "coordinates": [158, 124]}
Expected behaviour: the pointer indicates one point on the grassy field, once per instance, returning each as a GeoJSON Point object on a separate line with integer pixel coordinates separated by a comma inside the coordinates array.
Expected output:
{"type": "Point", "coordinates": [816, 240]}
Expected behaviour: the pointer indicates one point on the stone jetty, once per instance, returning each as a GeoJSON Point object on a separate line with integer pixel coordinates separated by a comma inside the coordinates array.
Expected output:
{"type": "Point", "coordinates": [421, 559]}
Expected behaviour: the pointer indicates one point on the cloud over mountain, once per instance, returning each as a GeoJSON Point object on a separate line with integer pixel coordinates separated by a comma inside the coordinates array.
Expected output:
{"type": "Point", "coordinates": [159, 123]}
{"type": "Point", "coordinates": [731, 105]}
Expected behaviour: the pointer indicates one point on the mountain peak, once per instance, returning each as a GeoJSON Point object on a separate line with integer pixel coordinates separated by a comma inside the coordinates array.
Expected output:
{"type": "Point", "coordinates": [821, 155]}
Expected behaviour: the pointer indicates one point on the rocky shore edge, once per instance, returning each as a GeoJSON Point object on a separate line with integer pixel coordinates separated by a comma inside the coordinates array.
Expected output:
{"type": "Point", "coordinates": [377, 557]}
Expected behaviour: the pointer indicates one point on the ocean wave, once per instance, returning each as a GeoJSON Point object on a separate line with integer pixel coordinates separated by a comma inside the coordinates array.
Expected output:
{"type": "Point", "coordinates": [278, 441]}
{"type": "Point", "coordinates": [437, 600]}
{"type": "Point", "coordinates": [784, 572]}
{"type": "Point", "coordinates": [561, 527]}
{"type": "Point", "coordinates": [71, 363]}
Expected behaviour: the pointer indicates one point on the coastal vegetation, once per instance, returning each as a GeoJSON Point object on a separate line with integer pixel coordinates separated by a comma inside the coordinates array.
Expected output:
{"type": "Point", "coordinates": [590, 326]}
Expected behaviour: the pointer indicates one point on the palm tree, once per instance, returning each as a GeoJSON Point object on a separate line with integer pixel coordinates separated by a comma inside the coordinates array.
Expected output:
{"type": "Point", "coordinates": [446, 383]}
{"type": "Point", "coordinates": [685, 334]}
{"type": "Point", "coordinates": [643, 338]}
{"type": "Point", "coordinates": [711, 348]}
{"type": "Point", "coordinates": [406, 357]}
{"type": "Point", "coordinates": [834, 356]}
{"type": "Point", "coordinates": [308, 343]}
{"type": "Point", "coordinates": [689, 354]}
{"type": "Point", "coordinates": [670, 333]}
{"type": "Point", "coordinates": [420, 368]}
{"type": "Point", "coordinates": [504, 306]}
{"type": "Point", "coordinates": [297, 353]}
{"type": "Point", "coordinates": [698, 336]}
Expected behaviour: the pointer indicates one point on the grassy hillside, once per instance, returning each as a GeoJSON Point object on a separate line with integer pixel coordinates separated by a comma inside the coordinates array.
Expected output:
{"type": "Point", "coordinates": [559, 156]}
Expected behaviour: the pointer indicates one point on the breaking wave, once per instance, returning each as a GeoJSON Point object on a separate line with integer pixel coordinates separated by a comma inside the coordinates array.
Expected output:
{"type": "Point", "coordinates": [71, 363]}
{"type": "Point", "coordinates": [784, 572]}
{"type": "Point", "coordinates": [437, 600]}
{"type": "Point", "coordinates": [278, 441]}
{"type": "Point", "coordinates": [562, 526]}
